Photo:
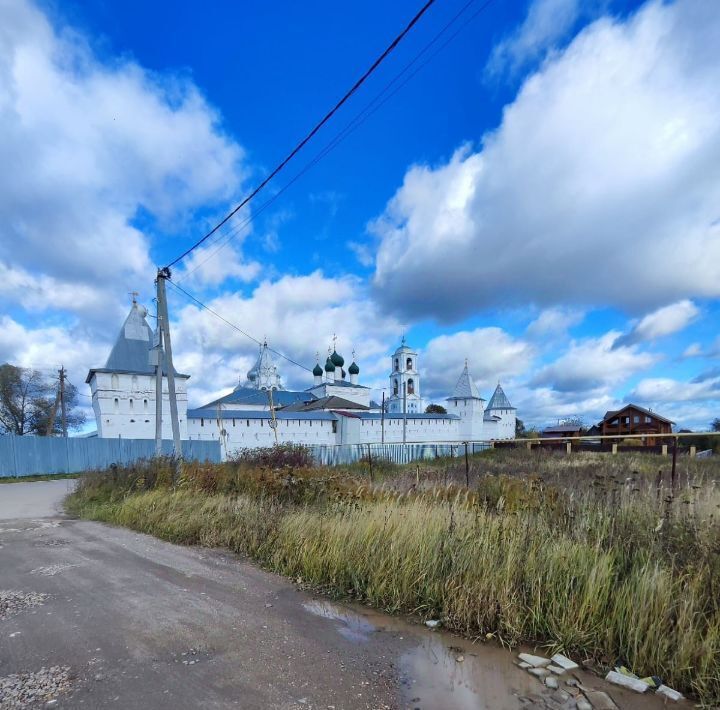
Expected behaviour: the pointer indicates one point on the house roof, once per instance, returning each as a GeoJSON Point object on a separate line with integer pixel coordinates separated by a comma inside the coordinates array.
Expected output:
{"type": "Point", "coordinates": [465, 387]}
{"type": "Point", "coordinates": [250, 395]}
{"type": "Point", "coordinates": [614, 412]}
{"type": "Point", "coordinates": [330, 402]}
{"type": "Point", "coordinates": [338, 383]}
{"type": "Point", "coordinates": [499, 400]}
{"type": "Point", "coordinates": [561, 427]}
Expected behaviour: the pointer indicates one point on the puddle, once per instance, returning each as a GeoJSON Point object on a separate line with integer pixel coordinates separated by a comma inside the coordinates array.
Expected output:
{"type": "Point", "coordinates": [352, 626]}
{"type": "Point", "coordinates": [440, 670]}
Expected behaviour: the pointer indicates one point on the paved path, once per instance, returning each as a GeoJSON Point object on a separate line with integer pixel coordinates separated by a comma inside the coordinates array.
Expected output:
{"type": "Point", "coordinates": [143, 624]}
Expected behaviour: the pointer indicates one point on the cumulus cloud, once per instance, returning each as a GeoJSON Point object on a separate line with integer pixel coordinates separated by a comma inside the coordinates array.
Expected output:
{"type": "Point", "coordinates": [664, 321]}
{"type": "Point", "coordinates": [593, 364]}
{"type": "Point", "coordinates": [554, 322]}
{"type": "Point", "coordinates": [547, 22]}
{"type": "Point", "coordinates": [657, 390]}
{"type": "Point", "coordinates": [600, 186]}
{"type": "Point", "coordinates": [492, 355]}
{"type": "Point", "coordinates": [87, 145]}
{"type": "Point", "coordinates": [299, 315]}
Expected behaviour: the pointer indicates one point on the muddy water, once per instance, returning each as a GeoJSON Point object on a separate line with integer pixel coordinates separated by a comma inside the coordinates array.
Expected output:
{"type": "Point", "coordinates": [439, 671]}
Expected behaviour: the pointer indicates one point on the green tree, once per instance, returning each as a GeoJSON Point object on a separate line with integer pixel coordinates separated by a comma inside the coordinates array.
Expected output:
{"type": "Point", "coordinates": [715, 424]}
{"type": "Point", "coordinates": [435, 409]}
{"type": "Point", "coordinates": [520, 432]}
{"type": "Point", "coordinates": [27, 400]}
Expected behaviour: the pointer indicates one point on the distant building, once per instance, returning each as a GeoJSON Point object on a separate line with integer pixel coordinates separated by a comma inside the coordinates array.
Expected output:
{"type": "Point", "coordinates": [260, 410]}
{"type": "Point", "coordinates": [632, 419]}
{"type": "Point", "coordinates": [562, 430]}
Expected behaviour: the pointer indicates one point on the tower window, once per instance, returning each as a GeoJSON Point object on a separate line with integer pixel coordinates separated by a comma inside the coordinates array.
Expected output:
{"type": "Point", "coordinates": [145, 405]}
{"type": "Point", "coordinates": [397, 365]}
{"type": "Point", "coordinates": [395, 388]}
{"type": "Point", "coordinates": [411, 386]}
{"type": "Point", "coordinates": [409, 363]}
{"type": "Point", "coordinates": [131, 405]}
{"type": "Point", "coordinates": [117, 405]}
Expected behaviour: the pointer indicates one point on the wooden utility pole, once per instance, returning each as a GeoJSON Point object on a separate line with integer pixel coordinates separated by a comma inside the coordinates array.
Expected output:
{"type": "Point", "coordinates": [53, 414]}
{"type": "Point", "coordinates": [164, 325]}
{"type": "Point", "coordinates": [63, 410]}
{"type": "Point", "coordinates": [158, 354]}
{"type": "Point", "coordinates": [382, 419]}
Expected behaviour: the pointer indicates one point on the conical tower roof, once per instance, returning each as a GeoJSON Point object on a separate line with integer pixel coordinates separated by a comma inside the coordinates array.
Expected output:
{"type": "Point", "coordinates": [465, 387]}
{"type": "Point", "coordinates": [499, 400]}
{"type": "Point", "coordinates": [263, 374]}
{"type": "Point", "coordinates": [131, 352]}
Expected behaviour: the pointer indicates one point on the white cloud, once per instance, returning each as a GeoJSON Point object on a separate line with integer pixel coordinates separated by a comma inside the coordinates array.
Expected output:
{"type": "Point", "coordinates": [693, 350]}
{"type": "Point", "coordinates": [547, 22]}
{"type": "Point", "coordinates": [593, 364]}
{"type": "Point", "coordinates": [554, 322]}
{"type": "Point", "coordinates": [492, 355]}
{"type": "Point", "coordinates": [86, 146]}
{"type": "Point", "coordinates": [656, 390]}
{"type": "Point", "coordinates": [297, 314]}
{"type": "Point", "coordinates": [664, 321]}
{"type": "Point", "coordinates": [601, 185]}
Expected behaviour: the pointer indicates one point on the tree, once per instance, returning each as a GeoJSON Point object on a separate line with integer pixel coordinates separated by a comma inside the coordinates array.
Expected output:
{"type": "Point", "coordinates": [435, 409]}
{"type": "Point", "coordinates": [27, 400]}
{"type": "Point", "coordinates": [715, 424]}
{"type": "Point", "coordinates": [519, 429]}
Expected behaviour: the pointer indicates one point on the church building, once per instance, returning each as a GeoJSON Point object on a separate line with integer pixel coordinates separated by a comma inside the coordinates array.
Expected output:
{"type": "Point", "coordinates": [334, 409]}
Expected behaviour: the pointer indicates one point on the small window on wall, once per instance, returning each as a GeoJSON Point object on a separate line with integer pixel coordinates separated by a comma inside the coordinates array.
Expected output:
{"type": "Point", "coordinates": [134, 382]}
{"type": "Point", "coordinates": [145, 405]}
{"type": "Point", "coordinates": [409, 363]}
{"type": "Point", "coordinates": [411, 386]}
{"type": "Point", "coordinates": [115, 382]}
{"type": "Point", "coordinates": [131, 405]}
{"type": "Point", "coordinates": [395, 387]}
{"type": "Point", "coordinates": [116, 402]}
{"type": "Point", "coordinates": [397, 365]}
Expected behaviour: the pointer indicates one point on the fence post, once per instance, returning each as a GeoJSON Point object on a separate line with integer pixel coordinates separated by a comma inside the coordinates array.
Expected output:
{"type": "Point", "coordinates": [614, 448]}
{"type": "Point", "coordinates": [467, 467]}
{"type": "Point", "coordinates": [664, 449]}
{"type": "Point", "coordinates": [370, 462]}
{"type": "Point", "coordinates": [674, 459]}
{"type": "Point", "coordinates": [693, 451]}
{"type": "Point", "coordinates": [568, 447]}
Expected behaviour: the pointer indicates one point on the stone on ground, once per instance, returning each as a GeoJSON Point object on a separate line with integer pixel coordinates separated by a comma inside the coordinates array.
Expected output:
{"type": "Point", "coordinates": [626, 681]}
{"type": "Point", "coordinates": [564, 662]}
{"type": "Point", "coordinates": [535, 661]}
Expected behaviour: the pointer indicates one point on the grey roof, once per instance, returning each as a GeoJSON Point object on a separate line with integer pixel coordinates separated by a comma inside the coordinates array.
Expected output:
{"type": "Point", "coordinates": [131, 352]}
{"type": "Point", "coordinates": [330, 402]}
{"type": "Point", "coordinates": [465, 387]}
{"type": "Point", "coordinates": [561, 427]}
{"type": "Point", "coordinates": [499, 400]}
{"type": "Point", "coordinates": [205, 413]}
{"type": "Point", "coordinates": [250, 395]}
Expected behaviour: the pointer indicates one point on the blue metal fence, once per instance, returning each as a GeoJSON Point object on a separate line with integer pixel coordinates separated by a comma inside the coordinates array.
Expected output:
{"type": "Point", "coordinates": [35, 455]}
{"type": "Point", "coordinates": [326, 455]}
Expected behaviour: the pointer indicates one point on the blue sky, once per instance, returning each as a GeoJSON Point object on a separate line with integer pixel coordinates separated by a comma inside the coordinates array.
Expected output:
{"type": "Point", "coordinates": [541, 198]}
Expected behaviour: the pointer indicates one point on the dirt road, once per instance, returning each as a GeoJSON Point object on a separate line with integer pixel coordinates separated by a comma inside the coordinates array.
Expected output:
{"type": "Point", "coordinates": [123, 620]}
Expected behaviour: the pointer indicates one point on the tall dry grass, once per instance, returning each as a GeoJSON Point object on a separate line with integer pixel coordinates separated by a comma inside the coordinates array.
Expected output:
{"type": "Point", "coordinates": [607, 568]}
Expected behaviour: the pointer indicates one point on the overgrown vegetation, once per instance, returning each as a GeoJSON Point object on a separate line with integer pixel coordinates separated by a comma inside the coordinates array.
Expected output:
{"type": "Point", "coordinates": [591, 554]}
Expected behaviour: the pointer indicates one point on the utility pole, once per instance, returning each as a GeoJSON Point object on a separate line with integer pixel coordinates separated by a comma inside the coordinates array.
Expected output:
{"type": "Point", "coordinates": [158, 355]}
{"type": "Point", "coordinates": [404, 412]}
{"type": "Point", "coordinates": [382, 420]}
{"type": "Point", "coordinates": [164, 325]}
{"type": "Point", "coordinates": [273, 420]}
{"type": "Point", "coordinates": [63, 411]}
{"type": "Point", "coordinates": [53, 414]}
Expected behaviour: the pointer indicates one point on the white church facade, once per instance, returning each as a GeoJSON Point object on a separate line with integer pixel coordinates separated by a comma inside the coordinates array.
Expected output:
{"type": "Point", "coordinates": [260, 411]}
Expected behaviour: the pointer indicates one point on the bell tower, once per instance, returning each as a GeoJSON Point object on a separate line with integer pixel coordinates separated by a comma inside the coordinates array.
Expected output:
{"type": "Point", "coordinates": [405, 381]}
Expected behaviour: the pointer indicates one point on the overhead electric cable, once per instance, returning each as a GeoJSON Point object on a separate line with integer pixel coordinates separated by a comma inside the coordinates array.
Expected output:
{"type": "Point", "coordinates": [372, 107]}
{"type": "Point", "coordinates": [232, 325]}
{"type": "Point", "coordinates": [314, 130]}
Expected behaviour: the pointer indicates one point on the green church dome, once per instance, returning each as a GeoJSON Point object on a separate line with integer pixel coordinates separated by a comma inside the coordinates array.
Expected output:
{"type": "Point", "coordinates": [354, 369]}
{"type": "Point", "coordinates": [337, 359]}
{"type": "Point", "coordinates": [329, 366]}
{"type": "Point", "coordinates": [317, 370]}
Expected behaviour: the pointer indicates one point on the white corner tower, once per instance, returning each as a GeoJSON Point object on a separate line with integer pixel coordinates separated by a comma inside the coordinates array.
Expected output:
{"type": "Point", "coordinates": [123, 392]}
{"type": "Point", "coordinates": [467, 404]}
{"type": "Point", "coordinates": [405, 382]}
{"type": "Point", "coordinates": [499, 419]}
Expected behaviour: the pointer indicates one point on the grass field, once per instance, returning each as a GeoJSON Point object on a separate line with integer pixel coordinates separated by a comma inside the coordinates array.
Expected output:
{"type": "Point", "coordinates": [591, 554]}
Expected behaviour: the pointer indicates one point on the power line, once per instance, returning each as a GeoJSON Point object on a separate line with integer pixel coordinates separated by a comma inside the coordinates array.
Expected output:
{"type": "Point", "coordinates": [315, 129]}
{"type": "Point", "coordinates": [232, 325]}
{"type": "Point", "coordinates": [371, 108]}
